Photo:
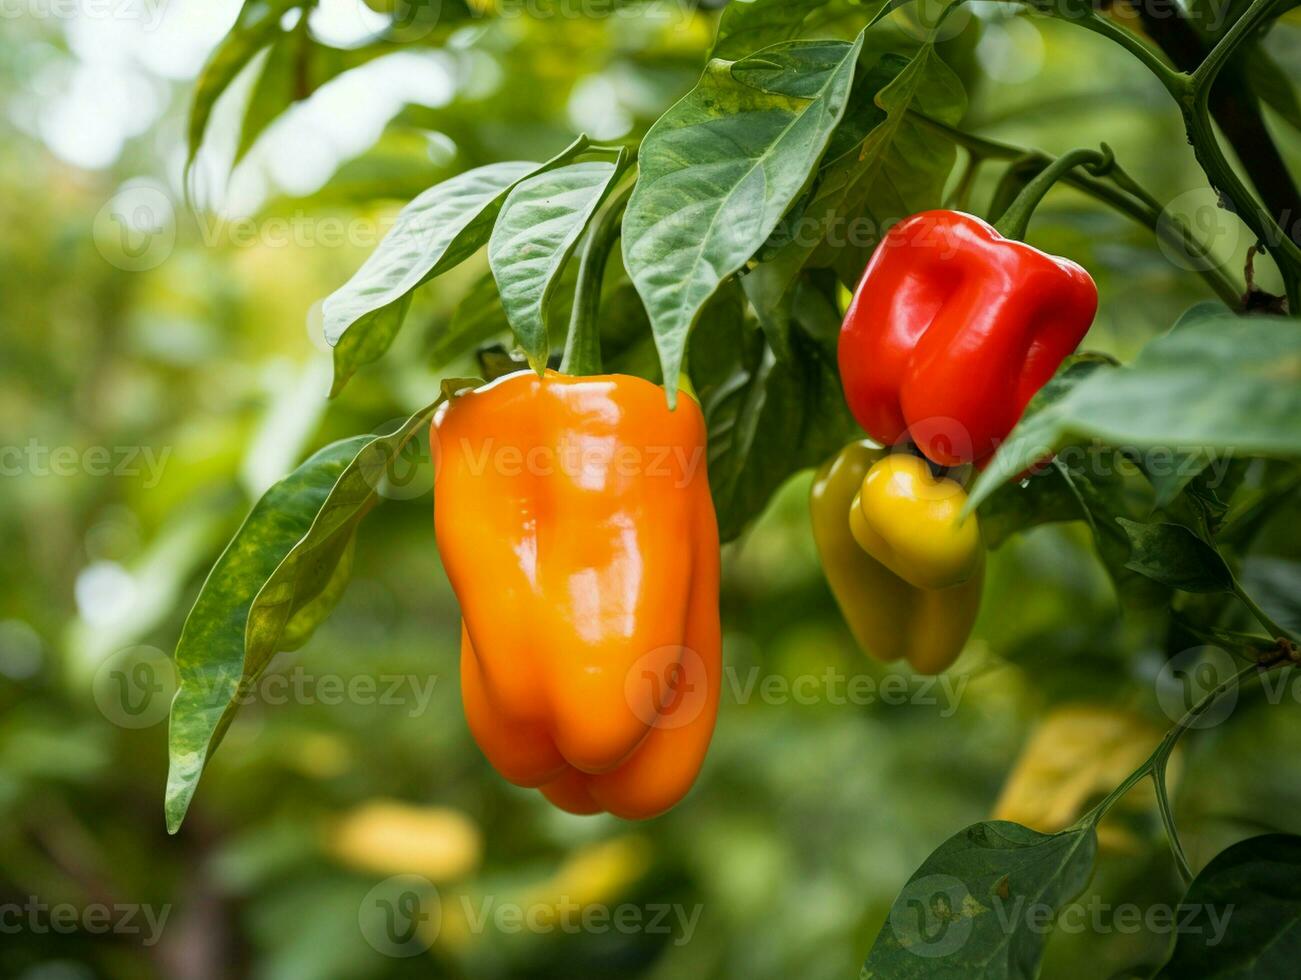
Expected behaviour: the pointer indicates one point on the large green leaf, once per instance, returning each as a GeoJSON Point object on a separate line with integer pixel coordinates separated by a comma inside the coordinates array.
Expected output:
{"type": "Point", "coordinates": [539, 225]}
{"type": "Point", "coordinates": [1218, 383]}
{"type": "Point", "coordinates": [880, 167]}
{"type": "Point", "coordinates": [435, 232]}
{"type": "Point", "coordinates": [976, 907]}
{"type": "Point", "coordinates": [898, 168]}
{"type": "Point", "coordinates": [1246, 914]}
{"type": "Point", "coordinates": [257, 25]}
{"type": "Point", "coordinates": [748, 25]}
{"type": "Point", "coordinates": [276, 581]}
{"type": "Point", "coordinates": [719, 169]}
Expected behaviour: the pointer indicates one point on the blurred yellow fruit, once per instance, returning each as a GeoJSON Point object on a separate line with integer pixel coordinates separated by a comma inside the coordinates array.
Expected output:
{"type": "Point", "coordinates": [389, 837]}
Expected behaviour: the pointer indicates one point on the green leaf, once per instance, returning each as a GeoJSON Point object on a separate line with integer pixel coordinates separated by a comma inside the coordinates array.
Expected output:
{"type": "Point", "coordinates": [276, 581]}
{"type": "Point", "coordinates": [1247, 914]}
{"type": "Point", "coordinates": [539, 225]}
{"type": "Point", "coordinates": [435, 232]}
{"type": "Point", "coordinates": [719, 169]}
{"type": "Point", "coordinates": [276, 89]}
{"type": "Point", "coordinates": [900, 168]}
{"type": "Point", "coordinates": [767, 418]}
{"type": "Point", "coordinates": [1173, 555]}
{"type": "Point", "coordinates": [978, 906]}
{"type": "Point", "coordinates": [881, 167]}
{"type": "Point", "coordinates": [1217, 384]}
{"type": "Point", "coordinates": [748, 25]}
{"type": "Point", "coordinates": [257, 25]}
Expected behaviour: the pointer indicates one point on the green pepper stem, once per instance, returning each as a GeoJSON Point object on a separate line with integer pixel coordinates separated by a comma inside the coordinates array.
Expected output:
{"type": "Point", "coordinates": [1015, 220]}
{"type": "Point", "coordinates": [583, 345]}
{"type": "Point", "coordinates": [1137, 204]}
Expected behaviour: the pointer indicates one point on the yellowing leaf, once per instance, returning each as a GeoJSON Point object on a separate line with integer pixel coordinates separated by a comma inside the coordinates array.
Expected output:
{"type": "Point", "coordinates": [1078, 754]}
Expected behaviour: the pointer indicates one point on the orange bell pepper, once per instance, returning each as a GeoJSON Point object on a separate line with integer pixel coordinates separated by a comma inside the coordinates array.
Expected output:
{"type": "Point", "coordinates": [575, 523]}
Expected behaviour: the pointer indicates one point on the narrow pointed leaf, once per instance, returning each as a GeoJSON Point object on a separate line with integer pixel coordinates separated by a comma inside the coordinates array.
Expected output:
{"type": "Point", "coordinates": [276, 581]}
{"type": "Point", "coordinates": [539, 225]}
{"type": "Point", "coordinates": [718, 171]}
{"type": "Point", "coordinates": [435, 232]}
{"type": "Point", "coordinates": [257, 25]}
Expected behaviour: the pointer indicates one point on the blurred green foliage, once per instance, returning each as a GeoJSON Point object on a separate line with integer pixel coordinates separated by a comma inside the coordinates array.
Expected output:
{"type": "Point", "coordinates": [201, 379]}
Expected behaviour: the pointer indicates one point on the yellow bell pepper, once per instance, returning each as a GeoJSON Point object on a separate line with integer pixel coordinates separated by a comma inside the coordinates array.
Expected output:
{"type": "Point", "coordinates": [905, 569]}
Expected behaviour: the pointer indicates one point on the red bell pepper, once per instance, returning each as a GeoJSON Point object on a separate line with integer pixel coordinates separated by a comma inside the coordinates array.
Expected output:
{"type": "Point", "coordinates": [952, 330]}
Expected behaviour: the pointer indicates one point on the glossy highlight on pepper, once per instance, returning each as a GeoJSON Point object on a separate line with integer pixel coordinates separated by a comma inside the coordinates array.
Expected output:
{"type": "Point", "coordinates": [575, 523]}
{"type": "Point", "coordinates": [952, 330]}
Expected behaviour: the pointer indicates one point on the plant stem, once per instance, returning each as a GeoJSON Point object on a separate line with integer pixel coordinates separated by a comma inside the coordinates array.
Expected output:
{"type": "Point", "coordinates": [1175, 82]}
{"type": "Point", "coordinates": [1015, 220]}
{"type": "Point", "coordinates": [1206, 147]}
{"type": "Point", "coordinates": [1271, 627]}
{"type": "Point", "coordinates": [1144, 211]}
{"type": "Point", "coordinates": [583, 345]}
{"type": "Point", "coordinates": [1253, 17]}
{"type": "Point", "coordinates": [1162, 752]}
{"type": "Point", "coordinates": [1168, 819]}
{"type": "Point", "coordinates": [1234, 106]}
{"type": "Point", "coordinates": [1192, 93]}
